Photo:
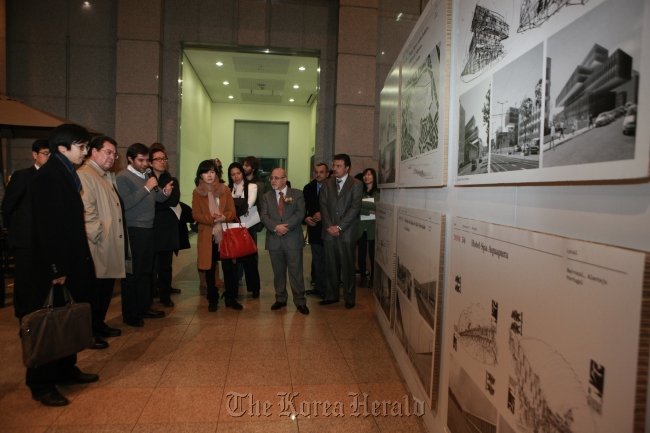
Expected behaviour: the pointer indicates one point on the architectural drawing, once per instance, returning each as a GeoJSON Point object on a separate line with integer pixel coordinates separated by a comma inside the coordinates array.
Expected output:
{"type": "Point", "coordinates": [420, 110]}
{"type": "Point", "coordinates": [534, 13]}
{"type": "Point", "coordinates": [477, 334]}
{"type": "Point", "coordinates": [548, 395]}
{"type": "Point", "coordinates": [485, 49]}
{"type": "Point", "coordinates": [404, 280]}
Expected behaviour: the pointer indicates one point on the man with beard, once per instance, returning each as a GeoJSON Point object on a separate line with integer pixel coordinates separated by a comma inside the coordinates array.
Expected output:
{"type": "Point", "coordinates": [140, 193]}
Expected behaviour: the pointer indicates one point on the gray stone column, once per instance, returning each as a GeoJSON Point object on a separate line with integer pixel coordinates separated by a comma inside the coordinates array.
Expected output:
{"type": "Point", "coordinates": [355, 82]}
{"type": "Point", "coordinates": [139, 73]}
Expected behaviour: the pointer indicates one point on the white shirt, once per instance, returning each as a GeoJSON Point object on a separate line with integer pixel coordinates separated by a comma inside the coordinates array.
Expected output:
{"type": "Point", "coordinates": [283, 191]}
{"type": "Point", "coordinates": [136, 172]}
{"type": "Point", "coordinates": [343, 179]}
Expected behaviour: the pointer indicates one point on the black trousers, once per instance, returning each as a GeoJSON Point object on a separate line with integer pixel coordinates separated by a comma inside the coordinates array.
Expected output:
{"type": "Point", "coordinates": [364, 246]}
{"type": "Point", "coordinates": [21, 281]}
{"type": "Point", "coordinates": [101, 301]}
{"type": "Point", "coordinates": [43, 379]}
{"type": "Point", "coordinates": [251, 271]}
{"type": "Point", "coordinates": [229, 276]}
{"type": "Point", "coordinates": [135, 287]}
{"type": "Point", "coordinates": [161, 276]}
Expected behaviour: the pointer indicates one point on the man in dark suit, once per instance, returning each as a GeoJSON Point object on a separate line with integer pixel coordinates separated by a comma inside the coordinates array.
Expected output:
{"type": "Point", "coordinates": [311, 191]}
{"type": "Point", "coordinates": [60, 253]}
{"type": "Point", "coordinates": [17, 215]}
{"type": "Point", "coordinates": [340, 203]}
{"type": "Point", "coordinates": [282, 211]}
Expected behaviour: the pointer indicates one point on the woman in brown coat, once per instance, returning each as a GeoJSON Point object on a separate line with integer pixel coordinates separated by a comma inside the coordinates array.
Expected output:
{"type": "Point", "coordinates": [212, 204]}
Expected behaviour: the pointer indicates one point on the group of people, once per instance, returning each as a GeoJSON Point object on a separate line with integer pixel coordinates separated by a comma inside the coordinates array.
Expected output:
{"type": "Point", "coordinates": [86, 227]}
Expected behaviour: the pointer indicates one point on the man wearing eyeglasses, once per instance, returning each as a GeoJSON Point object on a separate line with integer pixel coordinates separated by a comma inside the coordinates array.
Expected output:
{"type": "Point", "coordinates": [282, 211]}
{"type": "Point", "coordinates": [165, 227]}
{"type": "Point", "coordinates": [17, 215]}
{"type": "Point", "coordinates": [105, 228]}
{"type": "Point", "coordinates": [140, 193]}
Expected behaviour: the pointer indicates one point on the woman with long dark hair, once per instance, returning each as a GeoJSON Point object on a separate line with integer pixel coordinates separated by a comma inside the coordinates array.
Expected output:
{"type": "Point", "coordinates": [246, 191]}
{"type": "Point", "coordinates": [212, 205]}
{"type": "Point", "coordinates": [366, 242]}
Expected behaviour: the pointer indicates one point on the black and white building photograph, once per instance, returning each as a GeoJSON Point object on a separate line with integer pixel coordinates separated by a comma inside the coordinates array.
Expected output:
{"type": "Point", "coordinates": [594, 86]}
{"type": "Point", "coordinates": [469, 410]}
{"type": "Point", "coordinates": [382, 289]}
{"type": "Point", "coordinates": [474, 121]}
{"type": "Point", "coordinates": [388, 129]}
{"type": "Point", "coordinates": [417, 340]}
{"type": "Point", "coordinates": [516, 115]}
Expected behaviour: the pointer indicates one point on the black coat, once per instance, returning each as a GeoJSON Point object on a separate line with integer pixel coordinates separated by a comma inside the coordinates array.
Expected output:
{"type": "Point", "coordinates": [183, 233]}
{"type": "Point", "coordinates": [17, 208]}
{"type": "Point", "coordinates": [310, 191]}
{"type": "Point", "coordinates": [59, 243]}
{"type": "Point", "coordinates": [165, 223]}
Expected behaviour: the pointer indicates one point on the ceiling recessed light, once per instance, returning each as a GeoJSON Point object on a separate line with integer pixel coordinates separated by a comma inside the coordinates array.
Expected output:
{"type": "Point", "coordinates": [219, 64]}
{"type": "Point", "coordinates": [86, 3]}
{"type": "Point", "coordinates": [230, 97]}
{"type": "Point", "coordinates": [296, 86]}
{"type": "Point", "coordinates": [290, 100]}
{"type": "Point", "coordinates": [226, 83]}
{"type": "Point", "coordinates": [382, 53]}
{"type": "Point", "coordinates": [302, 68]}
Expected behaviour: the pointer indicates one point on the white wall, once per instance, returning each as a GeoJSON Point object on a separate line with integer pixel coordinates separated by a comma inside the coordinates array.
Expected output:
{"type": "Point", "coordinates": [610, 214]}
{"type": "Point", "coordinates": [300, 134]}
{"type": "Point", "coordinates": [195, 130]}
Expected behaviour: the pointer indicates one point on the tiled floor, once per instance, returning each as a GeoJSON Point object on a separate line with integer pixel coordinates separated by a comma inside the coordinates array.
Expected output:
{"type": "Point", "coordinates": [178, 374]}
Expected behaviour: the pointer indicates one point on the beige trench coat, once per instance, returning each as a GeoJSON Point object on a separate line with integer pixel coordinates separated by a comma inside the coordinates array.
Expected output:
{"type": "Point", "coordinates": [103, 215]}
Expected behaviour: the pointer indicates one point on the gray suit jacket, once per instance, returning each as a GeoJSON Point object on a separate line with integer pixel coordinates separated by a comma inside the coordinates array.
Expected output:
{"type": "Point", "coordinates": [293, 215]}
{"type": "Point", "coordinates": [341, 210]}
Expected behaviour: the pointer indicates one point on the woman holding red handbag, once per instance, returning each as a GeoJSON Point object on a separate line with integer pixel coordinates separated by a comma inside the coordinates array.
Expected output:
{"type": "Point", "coordinates": [246, 193]}
{"type": "Point", "coordinates": [212, 204]}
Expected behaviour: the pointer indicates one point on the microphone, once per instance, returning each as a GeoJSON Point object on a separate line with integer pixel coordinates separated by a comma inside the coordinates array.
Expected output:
{"type": "Point", "coordinates": [148, 171]}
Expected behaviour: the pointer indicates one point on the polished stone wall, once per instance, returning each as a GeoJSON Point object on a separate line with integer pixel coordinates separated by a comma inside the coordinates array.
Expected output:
{"type": "Point", "coordinates": [61, 58]}
{"type": "Point", "coordinates": [114, 65]}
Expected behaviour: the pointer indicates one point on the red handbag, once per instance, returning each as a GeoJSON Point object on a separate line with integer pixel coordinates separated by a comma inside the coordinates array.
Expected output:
{"type": "Point", "coordinates": [236, 242]}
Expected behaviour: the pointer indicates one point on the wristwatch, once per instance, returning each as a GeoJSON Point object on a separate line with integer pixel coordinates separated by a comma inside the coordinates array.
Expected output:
{"type": "Point", "coordinates": [339, 227]}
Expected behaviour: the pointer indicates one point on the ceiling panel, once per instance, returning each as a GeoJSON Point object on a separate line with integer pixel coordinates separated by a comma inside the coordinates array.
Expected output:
{"type": "Point", "coordinates": [256, 78]}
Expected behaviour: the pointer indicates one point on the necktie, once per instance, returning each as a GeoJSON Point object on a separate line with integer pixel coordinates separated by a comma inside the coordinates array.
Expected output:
{"type": "Point", "coordinates": [281, 203]}
{"type": "Point", "coordinates": [338, 186]}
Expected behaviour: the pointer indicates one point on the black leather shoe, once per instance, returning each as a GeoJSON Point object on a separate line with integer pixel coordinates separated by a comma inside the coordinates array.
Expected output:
{"type": "Point", "coordinates": [85, 378]}
{"type": "Point", "coordinates": [349, 305]}
{"type": "Point", "coordinates": [99, 343]}
{"type": "Point", "coordinates": [133, 321]}
{"type": "Point", "coordinates": [51, 398]}
{"type": "Point", "coordinates": [212, 307]}
{"type": "Point", "coordinates": [278, 305]}
{"type": "Point", "coordinates": [173, 290]}
{"type": "Point", "coordinates": [327, 302]}
{"type": "Point", "coordinates": [167, 303]}
{"type": "Point", "coordinates": [312, 292]}
{"type": "Point", "coordinates": [152, 314]}
{"type": "Point", "coordinates": [235, 305]}
{"type": "Point", "coordinates": [107, 331]}
{"type": "Point", "coordinates": [303, 309]}
{"type": "Point", "coordinates": [256, 294]}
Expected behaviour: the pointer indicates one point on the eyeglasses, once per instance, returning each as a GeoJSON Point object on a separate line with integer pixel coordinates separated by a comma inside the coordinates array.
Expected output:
{"type": "Point", "coordinates": [277, 177]}
{"type": "Point", "coordinates": [160, 159]}
{"type": "Point", "coordinates": [44, 153]}
{"type": "Point", "coordinates": [82, 146]}
{"type": "Point", "coordinates": [110, 153]}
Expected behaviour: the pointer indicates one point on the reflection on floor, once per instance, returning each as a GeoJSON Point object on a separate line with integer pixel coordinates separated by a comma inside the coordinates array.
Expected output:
{"type": "Point", "coordinates": [178, 374]}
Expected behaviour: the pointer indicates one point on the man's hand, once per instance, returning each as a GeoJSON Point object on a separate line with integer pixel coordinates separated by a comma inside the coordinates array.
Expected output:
{"type": "Point", "coordinates": [334, 231]}
{"type": "Point", "coordinates": [60, 280]}
{"type": "Point", "coordinates": [152, 182]}
{"type": "Point", "coordinates": [310, 221]}
{"type": "Point", "coordinates": [281, 229]}
{"type": "Point", "coordinates": [317, 217]}
{"type": "Point", "coordinates": [168, 188]}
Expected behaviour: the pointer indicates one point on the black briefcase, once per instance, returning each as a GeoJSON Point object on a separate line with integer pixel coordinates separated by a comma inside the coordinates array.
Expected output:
{"type": "Point", "coordinates": [52, 333]}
